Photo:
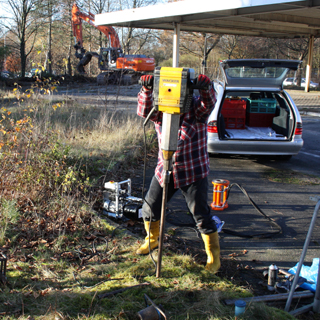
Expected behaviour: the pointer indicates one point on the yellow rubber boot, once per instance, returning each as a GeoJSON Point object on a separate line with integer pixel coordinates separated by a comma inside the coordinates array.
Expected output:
{"type": "Point", "coordinates": [153, 236]}
{"type": "Point", "coordinates": [211, 244]}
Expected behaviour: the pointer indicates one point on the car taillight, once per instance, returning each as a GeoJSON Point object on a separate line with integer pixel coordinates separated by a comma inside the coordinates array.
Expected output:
{"type": "Point", "coordinates": [212, 127]}
{"type": "Point", "coordinates": [298, 131]}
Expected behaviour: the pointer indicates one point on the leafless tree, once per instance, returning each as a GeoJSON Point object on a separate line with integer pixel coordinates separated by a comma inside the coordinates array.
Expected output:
{"type": "Point", "coordinates": [24, 25]}
{"type": "Point", "coordinates": [199, 45]}
{"type": "Point", "coordinates": [134, 39]}
{"type": "Point", "coordinates": [96, 7]}
{"type": "Point", "coordinates": [296, 49]}
{"type": "Point", "coordinates": [243, 47]}
{"type": "Point", "coordinates": [66, 35]}
{"type": "Point", "coordinates": [228, 45]}
{"type": "Point", "coordinates": [50, 9]}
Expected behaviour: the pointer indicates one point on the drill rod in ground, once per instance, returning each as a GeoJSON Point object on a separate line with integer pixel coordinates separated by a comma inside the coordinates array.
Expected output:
{"type": "Point", "coordinates": [169, 142]}
{"type": "Point", "coordinates": [162, 220]}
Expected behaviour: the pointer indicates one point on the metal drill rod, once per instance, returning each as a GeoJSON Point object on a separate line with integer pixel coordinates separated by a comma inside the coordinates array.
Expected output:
{"type": "Point", "coordinates": [169, 142]}
{"type": "Point", "coordinates": [303, 254]}
{"type": "Point", "coordinates": [162, 220]}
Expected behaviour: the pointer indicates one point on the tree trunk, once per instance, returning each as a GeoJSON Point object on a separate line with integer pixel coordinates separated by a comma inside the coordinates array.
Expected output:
{"type": "Point", "coordinates": [299, 72]}
{"type": "Point", "coordinates": [205, 56]}
{"type": "Point", "coordinates": [69, 67]}
{"type": "Point", "coordinates": [48, 62]}
{"type": "Point", "coordinates": [23, 57]}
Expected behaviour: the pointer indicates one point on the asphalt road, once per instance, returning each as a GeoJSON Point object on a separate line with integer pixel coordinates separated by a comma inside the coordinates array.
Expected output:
{"type": "Point", "coordinates": [288, 204]}
{"type": "Point", "coordinates": [308, 159]}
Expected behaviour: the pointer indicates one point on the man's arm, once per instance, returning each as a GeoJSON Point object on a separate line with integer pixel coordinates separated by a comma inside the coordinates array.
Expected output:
{"type": "Point", "coordinates": [145, 102]}
{"type": "Point", "coordinates": [145, 99]}
{"type": "Point", "coordinates": [205, 103]}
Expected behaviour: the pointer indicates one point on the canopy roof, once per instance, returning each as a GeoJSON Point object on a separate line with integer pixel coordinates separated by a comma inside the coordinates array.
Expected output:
{"type": "Point", "coordinates": [261, 18]}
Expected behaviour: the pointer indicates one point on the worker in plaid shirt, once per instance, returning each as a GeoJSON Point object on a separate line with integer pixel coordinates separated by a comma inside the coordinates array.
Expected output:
{"type": "Point", "coordinates": [190, 169]}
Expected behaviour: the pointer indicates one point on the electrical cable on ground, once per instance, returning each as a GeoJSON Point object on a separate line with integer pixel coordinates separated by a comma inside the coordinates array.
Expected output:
{"type": "Point", "coordinates": [277, 228]}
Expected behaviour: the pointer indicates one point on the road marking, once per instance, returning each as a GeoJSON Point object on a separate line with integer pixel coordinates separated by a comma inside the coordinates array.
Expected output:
{"type": "Point", "coordinates": [310, 154]}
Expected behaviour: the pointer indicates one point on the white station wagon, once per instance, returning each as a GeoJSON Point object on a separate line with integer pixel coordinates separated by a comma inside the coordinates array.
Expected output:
{"type": "Point", "coordinates": [253, 115]}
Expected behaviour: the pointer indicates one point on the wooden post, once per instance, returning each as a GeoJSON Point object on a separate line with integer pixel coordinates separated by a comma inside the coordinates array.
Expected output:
{"type": "Point", "coordinates": [309, 64]}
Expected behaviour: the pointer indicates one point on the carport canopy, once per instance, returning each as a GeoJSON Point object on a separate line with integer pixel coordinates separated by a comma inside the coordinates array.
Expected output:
{"type": "Point", "coordinates": [257, 18]}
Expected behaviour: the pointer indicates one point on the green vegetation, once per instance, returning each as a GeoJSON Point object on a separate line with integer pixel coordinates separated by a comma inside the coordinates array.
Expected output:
{"type": "Point", "coordinates": [292, 177]}
{"type": "Point", "coordinates": [62, 255]}
{"type": "Point", "coordinates": [9, 216]}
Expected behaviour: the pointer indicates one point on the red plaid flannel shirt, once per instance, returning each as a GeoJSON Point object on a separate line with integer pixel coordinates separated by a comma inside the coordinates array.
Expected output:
{"type": "Point", "coordinates": [190, 162]}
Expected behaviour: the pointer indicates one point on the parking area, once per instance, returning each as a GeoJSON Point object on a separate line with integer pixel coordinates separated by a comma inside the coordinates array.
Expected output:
{"type": "Point", "coordinates": [307, 102]}
{"type": "Point", "coordinates": [288, 204]}
{"type": "Point", "coordinates": [125, 97]}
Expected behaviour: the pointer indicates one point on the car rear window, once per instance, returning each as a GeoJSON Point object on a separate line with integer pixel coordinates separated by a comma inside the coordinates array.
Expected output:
{"type": "Point", "coordinates": [249, 72]}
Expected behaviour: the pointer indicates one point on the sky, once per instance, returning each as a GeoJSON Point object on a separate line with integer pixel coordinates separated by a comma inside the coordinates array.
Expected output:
{"type": "Point", "coordinates": [3, 13]}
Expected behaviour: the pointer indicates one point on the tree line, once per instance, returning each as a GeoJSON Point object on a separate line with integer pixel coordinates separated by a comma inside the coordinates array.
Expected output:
{"type": "Point", "coordinates": [38, 33]}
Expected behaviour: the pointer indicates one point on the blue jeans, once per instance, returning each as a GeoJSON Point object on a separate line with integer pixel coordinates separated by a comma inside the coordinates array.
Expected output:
{"type": "Point", "coordinates": [196, 196]}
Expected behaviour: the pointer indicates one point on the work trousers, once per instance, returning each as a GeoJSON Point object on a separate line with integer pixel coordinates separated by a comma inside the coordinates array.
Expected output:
{"type": "Point", "coordinates": [196, 196]}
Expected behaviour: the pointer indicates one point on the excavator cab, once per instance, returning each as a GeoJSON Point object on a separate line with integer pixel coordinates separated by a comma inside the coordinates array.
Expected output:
{"type": "Point", "coordinates": [108, 58]}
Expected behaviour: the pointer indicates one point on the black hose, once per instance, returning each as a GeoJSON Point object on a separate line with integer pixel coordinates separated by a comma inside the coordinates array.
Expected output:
{"type": "Point", "coordinates": [262, 235]}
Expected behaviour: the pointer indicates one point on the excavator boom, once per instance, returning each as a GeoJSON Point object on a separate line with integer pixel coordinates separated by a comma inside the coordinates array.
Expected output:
{"type": "Point", "coordinates": [78, 16]}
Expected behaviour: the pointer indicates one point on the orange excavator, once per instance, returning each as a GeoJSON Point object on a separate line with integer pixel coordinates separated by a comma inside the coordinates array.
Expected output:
{"type": "Point", "coordinates": [111, 61]}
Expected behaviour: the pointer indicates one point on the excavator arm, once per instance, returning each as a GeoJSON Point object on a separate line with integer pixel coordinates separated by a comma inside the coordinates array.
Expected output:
{"type": "Point", "coordinates": [78, 16]}
{"type": "Point", "coordinates": [110, 58]}
{"type": "Point", "coordinates": [81, 53]}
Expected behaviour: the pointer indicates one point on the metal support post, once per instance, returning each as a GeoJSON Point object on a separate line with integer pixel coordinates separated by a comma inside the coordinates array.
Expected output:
{"type": "Point", "coordinates": [176, 41]}
{"type": "Point", "coordinates": [309, 64]}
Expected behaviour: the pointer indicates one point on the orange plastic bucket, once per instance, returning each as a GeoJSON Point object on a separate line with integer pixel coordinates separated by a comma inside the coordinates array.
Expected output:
{"type": "Point", "coordinates": [220, 194]}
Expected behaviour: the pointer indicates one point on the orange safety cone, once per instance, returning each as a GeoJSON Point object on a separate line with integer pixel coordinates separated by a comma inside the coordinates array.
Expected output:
{"type": "Point", "coordinates": [220, 194]}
